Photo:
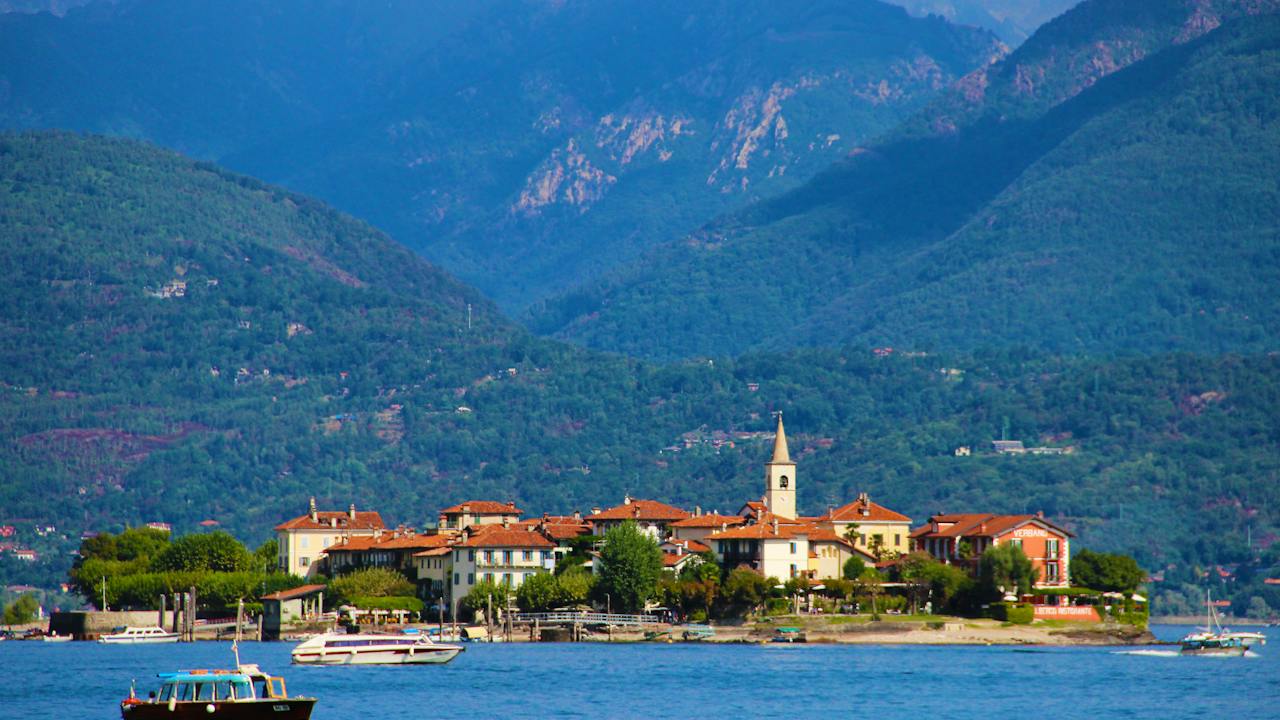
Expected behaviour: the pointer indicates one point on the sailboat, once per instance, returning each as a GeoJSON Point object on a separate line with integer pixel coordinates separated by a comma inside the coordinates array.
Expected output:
{"type": "Point", "coordinates": [1213, 639]}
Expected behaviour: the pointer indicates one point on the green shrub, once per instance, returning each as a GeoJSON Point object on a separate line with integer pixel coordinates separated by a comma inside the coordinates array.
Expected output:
{"type": "Point", "coordinates": [1016, 613]}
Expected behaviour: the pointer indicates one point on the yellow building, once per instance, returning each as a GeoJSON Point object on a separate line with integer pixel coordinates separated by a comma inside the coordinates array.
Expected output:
{"type": "Point", "coordinates": [303, 539]}
{"type": "Point", "coordinates": [878, 529]}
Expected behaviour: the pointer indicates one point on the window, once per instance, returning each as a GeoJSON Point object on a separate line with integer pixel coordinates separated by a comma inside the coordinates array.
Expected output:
{"type": "Point", "coordinates": [488, 577]}
{"type": "Point", "coordinates": [528, 555]}
{"type": "Point", "coordinates": [783, 482]}
{"type": "Point", "coordinates": [793, 571]}
{"type": "Point", "coordinates": [506, 579]}
{"type": "Point", "coordinates": [487, 555]}
{"type": "Point", "coordinates": [457, 578]}
{"type": "Point", "coordinates": [546, 554]}
{"type": "Point", "coordinates": [1051, 548]}
{"type": "Point", "coordinates": [1017, 543]}
{"type": "Point", "coordinates": [897, 540]}
{"type": "Point", "coordinates": [1051, 572]}
{"type": "Point", "coordinates": [793, 550]}
{"type": "Point", "coordinates": [471, 578]}
{"type": "Point", "coordinates": [471, 555]}
{"type": "Point", "coordinates": [303, 562]}
{"type": "Point", "coordinates": [506, 557]}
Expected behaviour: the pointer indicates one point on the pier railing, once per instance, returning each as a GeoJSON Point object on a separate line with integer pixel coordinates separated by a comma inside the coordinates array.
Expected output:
{"type": "Point", "coordinates": [587, 618]}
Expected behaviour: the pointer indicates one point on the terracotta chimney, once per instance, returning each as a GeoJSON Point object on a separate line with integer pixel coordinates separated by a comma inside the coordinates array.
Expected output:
{"type": "Point", "coordinates": [351, 511]}
{"type": "Point", "coordinates": [697, 511]}
{"type": "Point", "coordinates": [775, 526]}
{"type": "Point", "coordinates": [577, 516]}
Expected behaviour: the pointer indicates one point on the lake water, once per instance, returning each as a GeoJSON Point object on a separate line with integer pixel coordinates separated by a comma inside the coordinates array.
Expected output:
{"type": "Point", "coordinates": [86, 680]}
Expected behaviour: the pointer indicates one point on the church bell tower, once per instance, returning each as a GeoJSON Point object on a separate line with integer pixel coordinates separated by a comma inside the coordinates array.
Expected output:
{"type": "Point", "coordinates": [780, 477]}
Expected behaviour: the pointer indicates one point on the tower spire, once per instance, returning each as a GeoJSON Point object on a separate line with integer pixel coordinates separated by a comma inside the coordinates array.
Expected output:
{"type": "Point", "coordinates": [780, 454]}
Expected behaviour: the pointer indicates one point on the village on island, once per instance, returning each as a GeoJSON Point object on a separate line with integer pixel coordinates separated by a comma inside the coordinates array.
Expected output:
{"type": "Point", "coordinates": [644, 568]}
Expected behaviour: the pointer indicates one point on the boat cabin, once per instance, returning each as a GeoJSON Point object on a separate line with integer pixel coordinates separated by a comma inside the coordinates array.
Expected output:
{"type": "Point", "coordinates": [218, 686]}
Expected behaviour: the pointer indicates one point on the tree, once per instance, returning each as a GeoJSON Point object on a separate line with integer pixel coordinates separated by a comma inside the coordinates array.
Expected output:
{"type": "Point", "coordinates": [1005, 569]}
{"type": "Point", "coordinates": [140, 543]}
{"type": "Point", "coordinates": [538, 592]}
{"type": "Point", "coordinates": [266, 556]}
{"type": "Point", "coordinates": [853, 568]}
{"type": "Point", "coordinates": [215, 552]}
{"type": "Point", "coordinates": [486, 594]}
{"type": "Point", "coordinates": [1108, 572]}
{"type": "Point", "coordinates": [931, 581]}
{"type": "Point", "coordinates": [631, 563]}
{"type": "Point", "coordinates": [369, 582]}
{"type": "Point", "coordinates": [574, 586]}
{"type": "Point", "coordinates": [745, 588]}
{"type": "Point", "coordinates": [22, 611]}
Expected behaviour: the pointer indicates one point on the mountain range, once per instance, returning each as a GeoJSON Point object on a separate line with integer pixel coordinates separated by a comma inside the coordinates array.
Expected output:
{"type": "Point", "coordinates": [1107, 187]}
{"type": "Point", "coordinates": [521, 146]}
{"type": "Point", "coordinates": [1073, 245]}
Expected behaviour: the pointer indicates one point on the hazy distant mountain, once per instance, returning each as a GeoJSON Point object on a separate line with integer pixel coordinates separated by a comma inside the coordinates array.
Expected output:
{"type": "Point", "coordinates": [524, 146]}
{"type": "Point", "coordinates": [1013, 20]}
{"type": "Point", "coordinates": [1109, 186]}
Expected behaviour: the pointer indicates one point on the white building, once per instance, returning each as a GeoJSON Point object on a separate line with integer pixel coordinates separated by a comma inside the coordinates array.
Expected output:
{"type": "Point", "coordinates": [498, 554]}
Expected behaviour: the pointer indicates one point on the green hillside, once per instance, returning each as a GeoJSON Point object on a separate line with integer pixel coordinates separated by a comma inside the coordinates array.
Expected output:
{"type": "Point", "coordinates": [327, 361]}
{"type": "Point", "coordinates": [1136, 211]}
{"type": "Point", "coordinates": [522, 146]}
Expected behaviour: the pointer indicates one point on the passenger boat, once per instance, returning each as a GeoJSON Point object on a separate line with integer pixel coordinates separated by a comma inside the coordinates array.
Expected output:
{"type": "Point", "coordinates": [1213, 639]}
{"type": "Point", "coordinates": [246, 693]}
{"type": "Point", "coordinates": [137, 635]}
{"type": "Point", "coordinates": [373, 649]}
{"type": "Point", "coordinates": [56, 638]}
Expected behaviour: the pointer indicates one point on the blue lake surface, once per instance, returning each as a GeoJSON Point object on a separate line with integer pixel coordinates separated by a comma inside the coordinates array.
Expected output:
{"type": "Point", "coordinates": [87, 680]}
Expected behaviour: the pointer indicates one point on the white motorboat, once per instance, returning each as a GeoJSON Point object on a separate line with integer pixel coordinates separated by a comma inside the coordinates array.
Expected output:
{"type": "Point", "coordinates": [56, 638]}
{"type": "Point", "coordinates": [139, 635]}
{"type": "Point", "coordinates": [373, 649]}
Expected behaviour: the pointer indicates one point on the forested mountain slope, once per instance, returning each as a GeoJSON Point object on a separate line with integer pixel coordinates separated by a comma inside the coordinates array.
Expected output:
{"type": "Point", "coordinates": [1053, 201]}
{"type": "Point", "coordinates": [523, 146]}
{"type": "Point", "coordinates": [182, 344]}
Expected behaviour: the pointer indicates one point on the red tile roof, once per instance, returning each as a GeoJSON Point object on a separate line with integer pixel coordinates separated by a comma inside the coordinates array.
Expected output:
{"type": "Point", "coordinates": [710, 520]}
{"type": "Point", "coordinates": [762, 531]}
{"type": "Point", "coordinates": [388, 541]}
{"type": "Point", "coordinates": [640, 510]}
{"type": "Point", "coordinates": [364, 520]}
{"type": "Point", "coordinates": [863, 510]}
{"type": "Point", "coordinates": [498, 536]}
{"type": "Point", "coordinates": [483, 507]}
{"type": "Point", "coordinates": [980, 525]}
{"type": "Point", "coordinates": [294, 592]}
{"type": "Point", "coordinates": [672, 559]}
{"type": "Point", "coordinates": [434, 552]}
{"type": "Point", "coordinates": [690, 546]}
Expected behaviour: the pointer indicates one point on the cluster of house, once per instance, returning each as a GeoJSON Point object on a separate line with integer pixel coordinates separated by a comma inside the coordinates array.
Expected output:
{"type": "Point", "coordinates": [487, 540]}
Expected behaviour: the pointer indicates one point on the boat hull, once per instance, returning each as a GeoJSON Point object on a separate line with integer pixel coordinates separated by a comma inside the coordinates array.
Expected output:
{"type": "Point", "coordinates": [108, 640]}
{"type": "Point", "coordinates": [291, 709]}
{"type": "Point", "coordinates": [389, 656]}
